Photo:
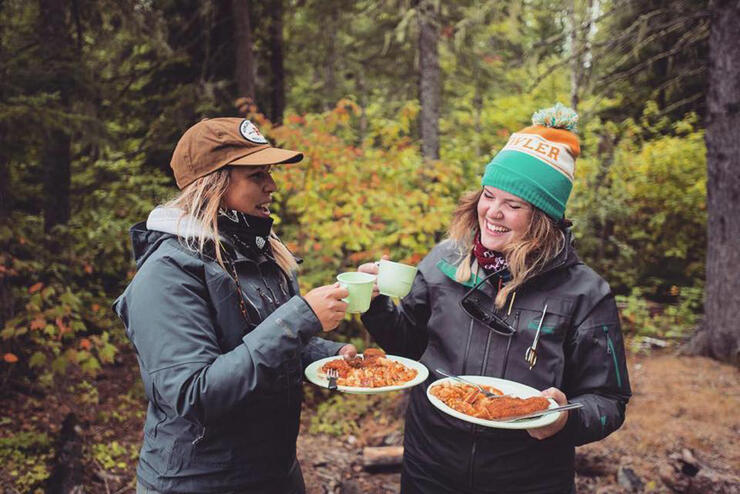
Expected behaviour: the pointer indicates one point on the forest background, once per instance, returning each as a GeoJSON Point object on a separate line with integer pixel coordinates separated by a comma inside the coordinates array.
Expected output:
{"type": "Point", "coordinates": [397, 105]}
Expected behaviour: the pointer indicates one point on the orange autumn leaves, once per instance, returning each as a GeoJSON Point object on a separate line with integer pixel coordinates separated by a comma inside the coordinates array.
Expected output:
{"type": "Point", "coordinates": [359, 195]}
{"type": "Point", "coordinates": [58, 327]}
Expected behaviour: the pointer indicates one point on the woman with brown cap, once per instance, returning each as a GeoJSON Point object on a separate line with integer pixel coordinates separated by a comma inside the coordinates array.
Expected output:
{"type": "Point", "coordinates": [220, 330]}
{"type": "Point", "coordinates": [506, 296]}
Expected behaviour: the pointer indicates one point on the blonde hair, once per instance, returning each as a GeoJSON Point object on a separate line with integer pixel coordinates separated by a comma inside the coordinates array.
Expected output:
{"type": "Point", "coordinates": [526, 256]}
{"type": "Point", "coordinates": [201, 201]}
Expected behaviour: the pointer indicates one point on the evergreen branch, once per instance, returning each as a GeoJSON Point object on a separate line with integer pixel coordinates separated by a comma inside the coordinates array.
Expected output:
{"type": "Point", "coordinates": [617, 76]}
{"type": "Point", "coordinates": [584, 26]}
{"type": "Point", "coordinates": [611, 44]}
{"type": "Point", "coordinates": [658, 33]}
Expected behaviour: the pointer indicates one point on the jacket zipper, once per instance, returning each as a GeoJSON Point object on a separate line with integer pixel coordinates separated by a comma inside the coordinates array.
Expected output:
{"type": "Point", "coordinates": [482, 372]}
{"type": "Point", "coordinates": [199, 438]}
{"type": "Point", "coordinates": [245, 298]}
{"type": "Point", "coordinates": [467, 347]}
{"type": "Point", "coordinates": [485, 355]}
{"type": "Point", "coordinates": [265, 297]}
{"type": "Point", "coordinates": [508, 345]}
{"type": "Point", "coordinates": [472, 454]}
{"type": "Point", "coordinates": [610, 350]}
{"type": "Point", "coordinates": [156, 405]}
{"type": "Point", "coordinates": [274, 299]}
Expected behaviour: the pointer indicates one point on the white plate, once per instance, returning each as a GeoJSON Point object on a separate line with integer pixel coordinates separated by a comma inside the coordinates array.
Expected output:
{"type": "Point", "coordinates": [508, 387]}
{"type": "Point", "coordinates": [314, 375]}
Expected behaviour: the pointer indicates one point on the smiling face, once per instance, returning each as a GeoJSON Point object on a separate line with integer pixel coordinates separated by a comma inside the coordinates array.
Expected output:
{"type": "Point", "coordinates": [250, 190]}
{"type": "Point", "coordinates": [502, 218]}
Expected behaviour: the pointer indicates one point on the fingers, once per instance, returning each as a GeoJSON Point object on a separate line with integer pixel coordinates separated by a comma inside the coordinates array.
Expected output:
{"type": "Point", "coordinates": [340, 292]}
{"type": "Point", "coordinates": [556, 395]}
{"type": "Point", "coordinates": [559, 424]}
{"type": "Point", "coordinates": [348, 351]}
{"type": "Point", "coordinates": [339, 306]}
{"type": "Point", "coordinates": [369, 268]}
{"type": "Point", "coordinates": [550, 430]}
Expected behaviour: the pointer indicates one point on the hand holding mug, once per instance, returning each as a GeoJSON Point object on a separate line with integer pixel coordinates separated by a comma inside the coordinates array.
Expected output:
{"type": "Point", "coordinates": [372, 268]}
{"type": "Point", "coordinates": [326, 302]}
{"type": "Point", "coordinates": [393, 278]}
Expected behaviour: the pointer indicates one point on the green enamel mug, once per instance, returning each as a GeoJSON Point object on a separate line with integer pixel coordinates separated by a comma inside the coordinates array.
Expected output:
{"type": "Point", "coordinates": [360, 287]}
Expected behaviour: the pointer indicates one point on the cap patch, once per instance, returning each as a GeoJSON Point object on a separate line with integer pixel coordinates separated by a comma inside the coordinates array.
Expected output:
{"type": "Point", "coordinates": [250, 132]}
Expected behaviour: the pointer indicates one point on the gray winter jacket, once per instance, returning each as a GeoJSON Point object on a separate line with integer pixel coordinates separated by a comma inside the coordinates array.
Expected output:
{"type": "Point", "coordinates": [224, 393]}
{"type": "Point", "coordinates": [580, 351]}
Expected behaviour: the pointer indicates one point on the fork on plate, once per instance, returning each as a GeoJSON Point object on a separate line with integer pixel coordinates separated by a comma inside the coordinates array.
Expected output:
{"type": "Point", "coordinates": [481, 389]}
{"type": "Point", "coordinates": [332, 375]}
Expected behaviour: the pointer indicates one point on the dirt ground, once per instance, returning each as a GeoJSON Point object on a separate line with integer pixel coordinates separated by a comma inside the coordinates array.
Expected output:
{"type": "Point", "coordinates": [682, 419]}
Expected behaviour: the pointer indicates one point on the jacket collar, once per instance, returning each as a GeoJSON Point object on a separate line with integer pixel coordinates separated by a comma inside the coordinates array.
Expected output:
{"type": "Point", "coordinates": [566, 257]}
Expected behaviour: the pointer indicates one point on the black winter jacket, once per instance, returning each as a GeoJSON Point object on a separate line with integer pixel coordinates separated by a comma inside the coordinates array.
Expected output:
{"type": "Point", "coordinates": [580, 351]}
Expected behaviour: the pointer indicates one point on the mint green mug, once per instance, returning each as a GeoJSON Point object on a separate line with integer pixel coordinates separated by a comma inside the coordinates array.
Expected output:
{"type": "Point", "coordinates": [360, 287]}
{"type": "Point", "coordinates": [394, 278]}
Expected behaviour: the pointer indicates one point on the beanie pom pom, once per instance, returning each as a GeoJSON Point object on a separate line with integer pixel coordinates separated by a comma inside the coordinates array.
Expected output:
{"type": "Point", "coordinates": [557, 117]}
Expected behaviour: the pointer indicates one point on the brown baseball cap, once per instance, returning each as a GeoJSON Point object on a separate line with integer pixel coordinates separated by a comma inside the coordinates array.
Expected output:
{"type": "Point", "coordinates": [217, 142]}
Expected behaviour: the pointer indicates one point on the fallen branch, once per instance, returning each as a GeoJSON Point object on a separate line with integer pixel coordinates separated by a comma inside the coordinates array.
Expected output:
{"type": "Point", "coordinates": [382, 456]}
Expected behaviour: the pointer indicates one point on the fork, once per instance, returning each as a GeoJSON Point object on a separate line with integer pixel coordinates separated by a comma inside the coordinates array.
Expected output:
{"type": "Point", "coordinates": [483, 390]}
{"type": "Point", "coordinates": [332, 375]}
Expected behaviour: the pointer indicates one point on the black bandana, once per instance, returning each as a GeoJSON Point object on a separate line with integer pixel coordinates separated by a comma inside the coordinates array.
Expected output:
{"type": "Point", "coordinates": [248, 233]}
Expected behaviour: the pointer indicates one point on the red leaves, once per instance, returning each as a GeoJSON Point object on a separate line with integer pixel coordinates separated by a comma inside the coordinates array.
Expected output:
{"type": "Point", "coordinates": [38, 323]}
{"type": "Point", "coordinates": [63, 328]}
{"type": "Point", "coordinates": [35, 287]}
{"type": "Point", "coordinates": [10, 358]}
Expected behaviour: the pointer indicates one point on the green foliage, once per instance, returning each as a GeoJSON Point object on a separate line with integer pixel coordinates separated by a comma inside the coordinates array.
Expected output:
{"type": "Point", "coordinates": [24, 456]}
{"type": "Point", "coordinates": [644, 320]}
{"type": "Point", "coordinates": [62, 283]}
{"type": "Point", "coordinates": [641, 216]}
{"type": "Point", "coordinates": [342, 414]}
{"type": "Point", "coordinates": [676, 320]}
{"type": "Point", "coordinates": [114, 456]}
{"type": "Point", "coordinates": [348, 204]}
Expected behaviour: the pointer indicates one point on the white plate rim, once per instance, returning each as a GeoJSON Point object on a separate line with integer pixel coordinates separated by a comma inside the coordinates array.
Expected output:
{"type": "Point", "coordinates": [509, 387]}
{"type": "Point", "coordinates": [312, 374]}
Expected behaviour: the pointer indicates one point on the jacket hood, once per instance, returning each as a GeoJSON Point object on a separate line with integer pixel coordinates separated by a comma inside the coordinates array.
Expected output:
{"type": "Point", "coordinates": [162, 223]}
{"type": "Point", "coordinates": [450, 259]}
{"type": "Point", "coordinates": [174, 221]}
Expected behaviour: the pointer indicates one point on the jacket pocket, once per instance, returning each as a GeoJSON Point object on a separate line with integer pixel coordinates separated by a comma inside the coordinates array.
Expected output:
{"type": "Point", "coordinates": [605, 335]}
{"type": "Point", "coordinates": [209, 449]}
{"type": "Point", "coordinates": [550, 356]}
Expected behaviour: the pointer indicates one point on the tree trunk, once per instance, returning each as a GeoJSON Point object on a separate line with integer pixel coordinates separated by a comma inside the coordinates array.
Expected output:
{"type": "Point", "coordinates": [57, 178]}
{"type": "Point", "coordinates": [576, 63]}
{"type": "Point", "coordinates": [277, 86]}
{"type": "Point", "coordinates": [244, 63]}
{"type": "Point", "coordinates": [330, 68]}
{"type": "Point", "coordinates": [719, 336]}
{"type": "Point", "coordinates": [430, 85]}
{"type": "Point", "coordinates": [58, 53]}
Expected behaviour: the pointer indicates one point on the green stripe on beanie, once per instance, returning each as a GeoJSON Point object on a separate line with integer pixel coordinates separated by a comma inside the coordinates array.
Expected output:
{"type": "Point", "coordinates": [530, 179]}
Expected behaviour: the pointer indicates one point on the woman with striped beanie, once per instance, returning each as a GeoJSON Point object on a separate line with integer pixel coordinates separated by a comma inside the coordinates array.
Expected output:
{"type": "Point", "coordinates": [506, 296]}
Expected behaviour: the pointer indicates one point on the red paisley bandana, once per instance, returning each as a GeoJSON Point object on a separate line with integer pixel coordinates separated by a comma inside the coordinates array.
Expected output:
{"type": "Point", "coordinates": [490, 260]}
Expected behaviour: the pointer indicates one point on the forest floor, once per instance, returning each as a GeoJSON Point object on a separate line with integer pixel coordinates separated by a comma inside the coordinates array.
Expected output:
{"type": "Point", "coordinates": [681, 431]}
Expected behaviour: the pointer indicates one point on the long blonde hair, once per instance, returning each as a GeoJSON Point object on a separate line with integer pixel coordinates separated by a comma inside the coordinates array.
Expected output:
{"type": "Point", "coordinates": [201, 201]}
{"type": "Point", "coordinates": [526, 256]}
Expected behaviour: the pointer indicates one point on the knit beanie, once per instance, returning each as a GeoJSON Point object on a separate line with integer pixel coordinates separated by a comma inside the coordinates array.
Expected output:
{"type": "Point", "coordinates": [538, 162]}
